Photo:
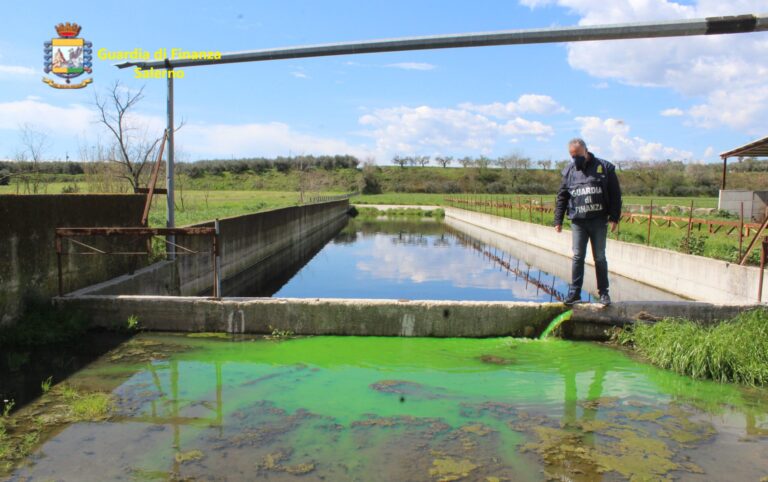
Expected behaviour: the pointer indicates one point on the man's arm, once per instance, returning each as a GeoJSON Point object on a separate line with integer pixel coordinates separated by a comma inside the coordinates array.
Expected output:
{"type": "Point", "coordinates": [614, 196]}
{"type": "Point", "coordinates": [561, 203]}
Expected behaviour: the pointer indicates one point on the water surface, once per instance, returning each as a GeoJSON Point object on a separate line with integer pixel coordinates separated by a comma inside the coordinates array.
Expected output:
{"type": "Point", "coordinates": [383, 409]}
{"type": "Point", "coordinates": [419, 260]}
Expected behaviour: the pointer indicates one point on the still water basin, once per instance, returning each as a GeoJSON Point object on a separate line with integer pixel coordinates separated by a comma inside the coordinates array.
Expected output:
{"type": "Point", "coordinates": [399, 409]}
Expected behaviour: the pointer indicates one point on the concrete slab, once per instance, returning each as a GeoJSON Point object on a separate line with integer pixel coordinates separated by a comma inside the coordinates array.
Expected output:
{"type": "Point", "coordinates": [360, 317]}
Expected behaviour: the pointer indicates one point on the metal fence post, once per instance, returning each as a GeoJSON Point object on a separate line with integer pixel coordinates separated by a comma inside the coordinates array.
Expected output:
{"type": "Point", "coordinates": [58, 262]}
{"type": "Point", "coordinates": [690, 221]}
{"type": "Point", "coordinates": [762, 267]}
{"type": "Point", "coordinates": [530, 210]}
{"type": "Point", "coordinates": [741, 227]}
{"type": "Point", "coordinates": [216, 260]}
{"type": "Point", "coordinates": [650, 220]}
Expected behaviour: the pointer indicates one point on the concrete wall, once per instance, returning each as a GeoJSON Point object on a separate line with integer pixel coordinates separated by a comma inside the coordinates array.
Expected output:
{"type": "Point", "coordinates": [361, 317]}
{"type": "Point", "coordinates": [755, 203]}
{"type": "Point", "coordinates": [255, 249]}
{"type": "Point", "coordinates": [252, 239]}
{"type": "Point", "coordinates": [693, 277]}
{"type": "Point", "coordinates": [622, 288]}
{"type": "Point", "coordinates": [28, 266]}
{"type": "Point", "coordinates": [320, 316]}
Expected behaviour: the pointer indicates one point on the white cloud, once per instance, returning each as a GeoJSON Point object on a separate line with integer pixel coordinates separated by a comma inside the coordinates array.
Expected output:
{"type": "Point", "coordinates": [258, 139]}
{"type": "Point", "coordinates": [536, 3]}
{"type": "Point", "coordinates": [299, 74]}
{"type": "Point", "coordinates": [525, 104]}
{"type": "Point", "coordinates": [73, 119]}
{"type": "Point", "coordinates": [721, 71]}
{"type": "Point", "coordinates": [611, 138]}
{"type": "Point", "coordinates": [468, 128]}
{"type": "Point", "coordinates": [412, 66]}
{"type": "Point", "coordinates": [672, 112]}
{"type": "Point", "coordinates": [9, 70]}
{"type": "Point", "coordinates": [600, 85]}
{"type": "Point", "coordinates": [200, 140]}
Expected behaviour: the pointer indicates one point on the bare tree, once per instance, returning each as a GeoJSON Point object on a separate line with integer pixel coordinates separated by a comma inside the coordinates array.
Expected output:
{"type": "Point", "coordinates": [483, 162]}
{"type": "Point", "coordinates": [132, 147]}
{"type": "Point", "coordinates": [466, 161]}
{"type": "Point", "coordinates": [422, 161]}
{"type": "Point", "coordinates": [444, 161]}
{"type": "Point", "coordinates": [400, 161]}
{"type": "Point", "coordinates": [34, 143]}
{"type": "Point", "coordinates": [545, 164]}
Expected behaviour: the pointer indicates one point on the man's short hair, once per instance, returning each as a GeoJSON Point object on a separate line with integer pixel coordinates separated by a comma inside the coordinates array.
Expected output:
{"type": "Point", "coordinates": [577, 140]}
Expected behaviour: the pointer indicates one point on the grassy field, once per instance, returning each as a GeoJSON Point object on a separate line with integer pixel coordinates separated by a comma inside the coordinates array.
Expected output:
{"type": "Point", "coordinates": [197, 206]}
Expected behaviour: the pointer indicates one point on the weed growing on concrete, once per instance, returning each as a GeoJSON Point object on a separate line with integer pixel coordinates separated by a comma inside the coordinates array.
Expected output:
{"type": "Point", "coordinates": [133, 323]}
{"type": "Point", "coordinates": [45, 386]}
{"type": "Point", "coordinates": [735, 350]}
{"type": "Point", "coordinates": [278, 334]}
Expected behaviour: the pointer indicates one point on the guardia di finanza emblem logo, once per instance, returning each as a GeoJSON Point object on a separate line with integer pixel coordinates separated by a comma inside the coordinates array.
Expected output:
{"type": "Point", "coordinates": [68, 57]}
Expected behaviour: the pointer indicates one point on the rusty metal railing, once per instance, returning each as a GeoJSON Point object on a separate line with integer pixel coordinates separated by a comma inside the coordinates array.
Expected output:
{"type": "Point", "coordinates": [63, 234]}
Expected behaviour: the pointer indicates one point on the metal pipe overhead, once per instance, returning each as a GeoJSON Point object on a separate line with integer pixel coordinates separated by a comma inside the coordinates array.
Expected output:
{"type": "Point", "coordinates": [676, 28]}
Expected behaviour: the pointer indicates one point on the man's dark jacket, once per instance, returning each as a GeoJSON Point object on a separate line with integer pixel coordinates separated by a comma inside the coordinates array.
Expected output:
{"type": "Point", "coordinates": [588, 193]}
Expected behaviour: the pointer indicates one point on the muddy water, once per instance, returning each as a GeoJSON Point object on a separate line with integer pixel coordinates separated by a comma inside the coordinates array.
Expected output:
{"type": "Point", "coordinates": [385, 409]}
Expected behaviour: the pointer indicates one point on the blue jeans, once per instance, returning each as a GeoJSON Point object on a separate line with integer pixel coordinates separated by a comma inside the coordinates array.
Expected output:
{"type": "Point", "coordinates": [594, 230]}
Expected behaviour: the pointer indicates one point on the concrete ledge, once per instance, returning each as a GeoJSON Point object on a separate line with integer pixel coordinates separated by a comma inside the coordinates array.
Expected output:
{"type": "Point", "coordinates": [626, 312]}
{"type": "Point", "coordinates": [364, 317]}
{"type": "Point", "coordinates": [320, 316]}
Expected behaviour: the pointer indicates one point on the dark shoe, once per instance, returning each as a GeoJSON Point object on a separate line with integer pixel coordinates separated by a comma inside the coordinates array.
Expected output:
{"type": "Point", "coordinates": [572, 299]}
{"type": "Point", "coordinates": [605, 300]}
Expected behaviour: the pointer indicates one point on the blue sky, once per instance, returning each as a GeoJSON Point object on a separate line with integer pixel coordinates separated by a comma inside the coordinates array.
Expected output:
{"type": "Point", "coordinates": [665, 98]}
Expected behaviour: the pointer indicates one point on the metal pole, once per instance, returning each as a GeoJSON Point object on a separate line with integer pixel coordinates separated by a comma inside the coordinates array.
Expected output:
{"type": "Point", "coordinates": [762, 267]}
{"type": "Point", "coordinates": [650, 220]}
{"type": "Point", "coordinates": [58, 262]}
{"type": "Point", "coordinates": [530, 210]}
{"type": "Point", "coordinates": [675, 28]}
{"type": "Point", "coordinates": [217, 260]}
{"type": "Point", "coordinates": [722, 182]}
{"type": "Point", "coordinates": [741, 227]}
{"type": "Point", "coordinates": [690, 220]}
{"type": "Point", "coordinates": [170, 221]}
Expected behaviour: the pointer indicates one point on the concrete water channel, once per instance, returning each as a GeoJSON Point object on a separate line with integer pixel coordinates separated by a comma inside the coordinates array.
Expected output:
{"type": "Point", "coordinates": [215, 402]}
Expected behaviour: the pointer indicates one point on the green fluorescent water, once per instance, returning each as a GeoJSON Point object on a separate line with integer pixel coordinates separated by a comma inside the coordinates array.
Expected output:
{"type": "Point", "coordinates": [555, 323]}
{"type": "Point", "coordinates": [380, 409]}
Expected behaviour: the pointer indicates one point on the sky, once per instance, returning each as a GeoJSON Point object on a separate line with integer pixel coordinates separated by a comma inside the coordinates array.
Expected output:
{"type": "Point", "coordinates": [684, 98]}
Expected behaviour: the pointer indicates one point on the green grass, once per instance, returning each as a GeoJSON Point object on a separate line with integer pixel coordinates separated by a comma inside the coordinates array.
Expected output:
{"type": "Point", "coordinates": [198, 206]}
{"type": "Point", "coordinates": [717, 246]}
{"type": "Point", "coordinates": [732, 351]}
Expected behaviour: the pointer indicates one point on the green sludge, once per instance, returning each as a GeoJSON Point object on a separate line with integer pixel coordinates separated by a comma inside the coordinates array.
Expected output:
{"type": "Point", "coordinates": [369, 408]}
{"type": "Point", "coordinates": [555, 323]}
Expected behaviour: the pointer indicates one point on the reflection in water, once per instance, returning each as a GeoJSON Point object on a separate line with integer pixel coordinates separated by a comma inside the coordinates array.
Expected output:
{"type": "Point", "coordinates": [418, 260]}
{"type": "Point", "coordinates": [350, 408]}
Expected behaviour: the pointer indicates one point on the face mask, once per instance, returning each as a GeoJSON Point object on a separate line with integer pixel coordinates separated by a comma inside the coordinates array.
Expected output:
{"type": "Point", "coordinates": [579, 161]}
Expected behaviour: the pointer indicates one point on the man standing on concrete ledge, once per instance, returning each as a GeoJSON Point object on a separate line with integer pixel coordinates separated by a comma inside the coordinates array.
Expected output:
{"type": "Point", "coordinates": [590, 191]}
